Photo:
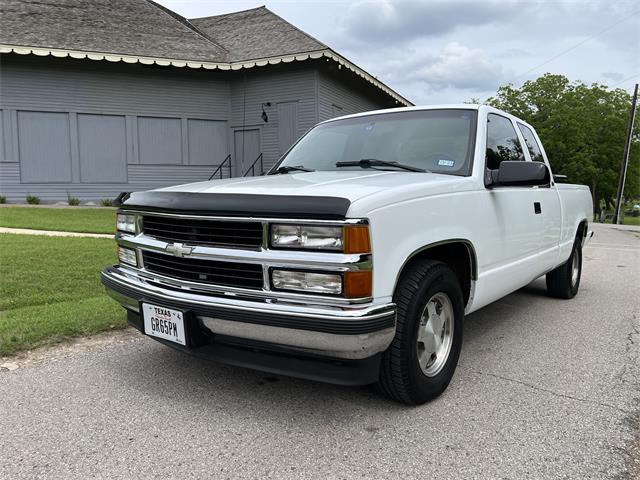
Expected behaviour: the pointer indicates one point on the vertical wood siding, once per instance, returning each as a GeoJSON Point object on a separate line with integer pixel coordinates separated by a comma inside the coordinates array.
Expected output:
{"type": "Point", "coordinates": [102, 148]}
{"type": "Point", "coordinates": [44, 147]}
{"type": "Point", "coordinates": [160, 141]}
{"type": "Point", "coordinates": [247, 147]}
{"type": "Point", "coordinates": [208, 141]}
{"type": "Point", "coordinates": [287, 125]}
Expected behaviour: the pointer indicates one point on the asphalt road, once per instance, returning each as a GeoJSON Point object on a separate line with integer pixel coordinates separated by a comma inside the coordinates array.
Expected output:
{"type": "Point", "coordinates": [545, 389]}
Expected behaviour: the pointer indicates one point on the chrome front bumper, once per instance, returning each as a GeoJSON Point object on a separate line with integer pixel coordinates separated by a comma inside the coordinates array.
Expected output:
{"type": "Point", "coordinates": [341, 332]}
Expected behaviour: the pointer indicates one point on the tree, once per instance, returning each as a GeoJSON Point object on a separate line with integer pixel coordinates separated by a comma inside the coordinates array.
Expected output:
{"type": "Point", "coordinates": [582, 128]}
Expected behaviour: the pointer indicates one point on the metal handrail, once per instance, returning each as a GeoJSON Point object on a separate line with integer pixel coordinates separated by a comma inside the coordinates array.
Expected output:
{"type": "Point", "coordinates": [227, 160]}
{"type": "Point", "coordinates": [252, 168]}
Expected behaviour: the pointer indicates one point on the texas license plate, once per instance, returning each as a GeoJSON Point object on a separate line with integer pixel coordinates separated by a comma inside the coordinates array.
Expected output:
{"type": "Point", "coordinates": [163, 322]}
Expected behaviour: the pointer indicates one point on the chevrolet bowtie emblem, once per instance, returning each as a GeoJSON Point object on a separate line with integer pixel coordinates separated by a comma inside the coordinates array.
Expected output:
{"type": "Point", "coordinates": [178, 249]}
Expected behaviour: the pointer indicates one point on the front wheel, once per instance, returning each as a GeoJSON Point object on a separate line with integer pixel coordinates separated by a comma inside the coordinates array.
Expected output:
{"type": "Point", "coordinates": [421, 360]}
{"type": "Point", "coordinates": [564, 281]}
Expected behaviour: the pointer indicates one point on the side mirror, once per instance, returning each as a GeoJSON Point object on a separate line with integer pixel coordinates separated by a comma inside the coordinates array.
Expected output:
{"type": "Point", "coordinates": [518, 174]}
{"type": "Point", "coordinates": [560, 178]}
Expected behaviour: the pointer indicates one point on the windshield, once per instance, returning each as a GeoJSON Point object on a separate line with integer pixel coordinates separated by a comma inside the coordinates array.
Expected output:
{"type": "Point", "coordinates": [438, 141]}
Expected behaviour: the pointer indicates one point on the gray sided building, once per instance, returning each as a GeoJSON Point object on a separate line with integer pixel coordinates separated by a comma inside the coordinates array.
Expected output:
{"type": "Point", "coordinates": [103, 96]}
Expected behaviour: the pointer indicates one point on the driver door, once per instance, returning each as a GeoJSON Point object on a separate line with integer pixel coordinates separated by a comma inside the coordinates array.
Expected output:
{"type": "Point", "coordinates": [511, 215]}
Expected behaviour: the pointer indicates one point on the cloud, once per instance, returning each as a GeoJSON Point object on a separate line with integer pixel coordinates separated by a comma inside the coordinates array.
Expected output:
{"type": "Point", "coordinates": [382, 21]}
{"type": "Point", "coordinates": [435, 51]}
{"type": "Point", "coordinates": [615, 76]}
{"type": "Point", "coordinates": [455, 66]}
{"type": "Point", "coordinates": [462, 67]}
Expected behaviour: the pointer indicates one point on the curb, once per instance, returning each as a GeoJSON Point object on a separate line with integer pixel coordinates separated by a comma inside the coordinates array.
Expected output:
{"type": "Point", "coordinates": [50, 233]}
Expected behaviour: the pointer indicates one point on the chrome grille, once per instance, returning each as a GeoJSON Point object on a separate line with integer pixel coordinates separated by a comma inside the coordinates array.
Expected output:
{"type": "Point", "coordinates": [232, 274]}
{"type": "Point", "coordinates": [214, 233]}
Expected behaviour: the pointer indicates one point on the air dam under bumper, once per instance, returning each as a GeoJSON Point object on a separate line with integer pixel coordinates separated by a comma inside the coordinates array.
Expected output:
{"type": "Point", "coordinates": [349, 334]}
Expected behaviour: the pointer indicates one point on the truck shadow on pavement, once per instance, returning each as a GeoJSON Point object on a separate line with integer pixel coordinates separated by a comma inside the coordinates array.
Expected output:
{"type": "Point", "coordinates": [164, 374]}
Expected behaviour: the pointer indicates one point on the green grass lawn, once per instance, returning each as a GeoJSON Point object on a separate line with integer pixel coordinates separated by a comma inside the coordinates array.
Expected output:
{"type": "Point", "coordinates": [87, 220]}
{"type": "Point", "coordinates": [50, 290]}
{"type": "Point", "coordinates": [629, 220]}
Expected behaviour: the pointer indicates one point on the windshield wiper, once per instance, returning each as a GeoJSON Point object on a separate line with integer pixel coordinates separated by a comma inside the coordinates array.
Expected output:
{"type": "Point", "coordinates": [372, 162]}
{"type": "Point", "coordinates": [292, 168]}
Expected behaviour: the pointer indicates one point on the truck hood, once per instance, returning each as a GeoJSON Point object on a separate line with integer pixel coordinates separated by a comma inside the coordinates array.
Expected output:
{"type": "Point", "coordinates": [366, 190]}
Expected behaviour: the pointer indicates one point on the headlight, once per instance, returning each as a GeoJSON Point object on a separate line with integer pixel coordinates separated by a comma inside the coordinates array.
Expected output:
{"type": "Point", "coordinates": [306, 237]}
{"type": "Point", "coordinates": [347, 239]}
{"type": "Point", "coordinates": [310, 282]}
{"type": "Point", "coordinates": [127, 256]}
{"type": "Point", "coordinates": [126, 223]}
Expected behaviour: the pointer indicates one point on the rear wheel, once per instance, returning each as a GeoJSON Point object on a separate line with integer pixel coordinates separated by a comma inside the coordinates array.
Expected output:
{"type": "Point", "coordinates": [564, 281]}
{"type": "Point", "coordinates": [422, 358]}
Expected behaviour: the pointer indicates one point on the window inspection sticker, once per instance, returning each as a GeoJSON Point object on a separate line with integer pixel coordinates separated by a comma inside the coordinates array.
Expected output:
{"type": "Point", "coordinates": [446, 163]}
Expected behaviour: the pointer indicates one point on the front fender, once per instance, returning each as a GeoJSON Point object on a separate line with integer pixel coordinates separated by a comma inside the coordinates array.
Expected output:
{"type": "Point", "coordinates": [401, 231]}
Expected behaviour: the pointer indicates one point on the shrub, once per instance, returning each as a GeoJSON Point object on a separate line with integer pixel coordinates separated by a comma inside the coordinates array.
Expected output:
{"type": "Point", "coordinates": [33, 200]}
{"type": "Point", "coordinates": [106, 202]}
{"type": "Point", "coordinates": [73, 201]}
{"type": "Point", "coordinates": [3, 199]}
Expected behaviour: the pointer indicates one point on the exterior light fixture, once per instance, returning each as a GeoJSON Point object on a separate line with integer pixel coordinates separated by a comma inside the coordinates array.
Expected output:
{"type": "Point", "coordinates": [264, 116]}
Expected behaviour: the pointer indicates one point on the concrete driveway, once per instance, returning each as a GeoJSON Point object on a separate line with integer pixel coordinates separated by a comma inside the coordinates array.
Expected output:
{"type": "Point", "coordinates": [545, 389]}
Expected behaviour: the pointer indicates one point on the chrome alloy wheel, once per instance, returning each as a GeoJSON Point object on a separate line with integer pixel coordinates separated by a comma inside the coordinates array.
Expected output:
{"type": "Point", "coordinates": [575, 269]}
{"type": "Point", "coordinates": [435, 334]}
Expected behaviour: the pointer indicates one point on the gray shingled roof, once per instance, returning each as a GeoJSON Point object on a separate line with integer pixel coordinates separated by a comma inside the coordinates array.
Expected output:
{"type": "Point", "coordinates": [133, 29]}
{"type": "Point", "coordinates": [256, 33]}
{"type": "Point", "coordinates": [137, 27]}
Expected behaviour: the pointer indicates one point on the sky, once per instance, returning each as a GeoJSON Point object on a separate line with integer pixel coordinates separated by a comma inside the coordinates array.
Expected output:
{"type": "Point", "coordinates": [439, 51]}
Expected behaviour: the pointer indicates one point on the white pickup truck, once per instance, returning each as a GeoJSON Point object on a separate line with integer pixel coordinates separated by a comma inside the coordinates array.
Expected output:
{"type": "Point", "coordinates": [356, 257]}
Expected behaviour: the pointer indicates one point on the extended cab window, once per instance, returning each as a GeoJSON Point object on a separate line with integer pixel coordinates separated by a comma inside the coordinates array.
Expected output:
{"type": "Point", "coordinates": [532, 144]}
{"type": "Point", "coordinates": [502, 141]}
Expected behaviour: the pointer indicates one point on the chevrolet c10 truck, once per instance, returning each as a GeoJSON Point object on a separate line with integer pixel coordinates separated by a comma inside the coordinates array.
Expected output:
{"type": "Point", "coordinates": [355, 259]}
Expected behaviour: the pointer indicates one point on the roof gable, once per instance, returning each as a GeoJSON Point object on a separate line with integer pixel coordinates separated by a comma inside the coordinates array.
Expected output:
{"type": "Point", "coordinates": [111, 26]}
{"type": "Point", "coordinates": [256, 33]}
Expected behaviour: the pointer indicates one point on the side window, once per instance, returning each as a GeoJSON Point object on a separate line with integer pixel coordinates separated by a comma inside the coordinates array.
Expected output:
{"type": "Point", "coordinates": [532, 144]}
{"type": "Point", "coordinates": [502, 141]}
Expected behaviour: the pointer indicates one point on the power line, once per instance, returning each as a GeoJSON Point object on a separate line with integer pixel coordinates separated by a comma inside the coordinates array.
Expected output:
{"type": "Point", "coordinates": [582, 42]}
{"type": "Point", "coordinates": [625, 80]}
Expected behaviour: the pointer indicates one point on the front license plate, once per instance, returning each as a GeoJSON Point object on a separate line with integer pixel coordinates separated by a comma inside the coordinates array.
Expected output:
{"type": "Point", "coordinates": [164, 323]}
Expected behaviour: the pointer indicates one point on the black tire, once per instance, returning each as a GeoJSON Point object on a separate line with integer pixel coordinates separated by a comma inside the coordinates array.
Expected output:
{"type": "Point", "coordinates": [561, 282]}
{"type": "Point", "coordinates": [401, 376]}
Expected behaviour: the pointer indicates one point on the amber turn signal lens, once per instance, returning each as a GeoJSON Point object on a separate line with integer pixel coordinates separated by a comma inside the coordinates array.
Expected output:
{"type": "Point", "coordinates": [358, 284]}
{"type": "Point", "coordinates": [356, 239]}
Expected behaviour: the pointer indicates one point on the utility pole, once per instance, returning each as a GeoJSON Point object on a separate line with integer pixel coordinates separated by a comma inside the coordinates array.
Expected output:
{"type": "Point", "coordinates": [625, 160]}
